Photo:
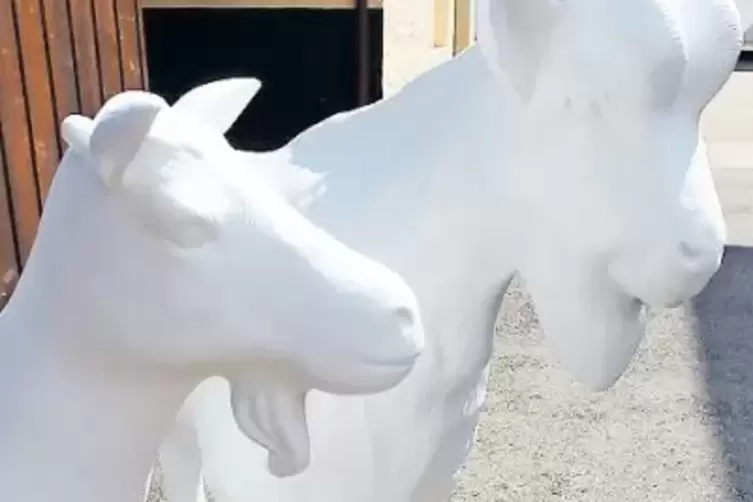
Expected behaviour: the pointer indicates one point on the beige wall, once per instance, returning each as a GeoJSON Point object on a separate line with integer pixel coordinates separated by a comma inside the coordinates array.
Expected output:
{"type": "Point", "coordinates": [409, 42]}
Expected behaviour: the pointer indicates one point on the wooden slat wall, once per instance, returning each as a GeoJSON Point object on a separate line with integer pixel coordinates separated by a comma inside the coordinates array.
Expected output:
{"type": "Point", "coordinates": [56, 57]}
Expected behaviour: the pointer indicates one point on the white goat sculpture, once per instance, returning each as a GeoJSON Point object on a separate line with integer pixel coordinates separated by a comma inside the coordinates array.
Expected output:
{"type": "Point", "coordinates": [565, 145]}
{"type": "Point", "coordinates": [160, 261]}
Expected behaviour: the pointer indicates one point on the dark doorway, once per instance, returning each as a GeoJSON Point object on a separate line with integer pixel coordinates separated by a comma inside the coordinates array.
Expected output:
{"type": "Point", "coordinates": [307, 60]}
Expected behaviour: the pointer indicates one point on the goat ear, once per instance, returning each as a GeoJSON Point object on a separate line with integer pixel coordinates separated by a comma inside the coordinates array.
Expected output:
{"type": "Point", "coordinates": [218, 104]}
{"type": "Point", "coordinates": [76, 131]}
{"type": "Point", "coordinates": [174, 195]}
{"type": "Point", "coordinates": [120, 128]}
{"type": "Point", "coordinates": [514, 36]}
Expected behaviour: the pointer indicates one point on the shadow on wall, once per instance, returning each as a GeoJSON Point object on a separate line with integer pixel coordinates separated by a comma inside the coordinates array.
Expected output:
{"type": "Point", "coordinates": [724, 313]}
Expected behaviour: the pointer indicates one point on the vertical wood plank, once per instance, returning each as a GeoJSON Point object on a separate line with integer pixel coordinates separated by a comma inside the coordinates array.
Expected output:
{"type": "Point", "coordinates": [9, 263]}
{"type": "Point", "coordinates": [106, 29]}
{"type": "Point", "coordinates": [85, 50]}
{"type": "Point", "coordinates": [142, 44]}
{"type": "Point", "coordinates": [130, 48]}
{"type": "Point", "coordinates": [62, 63]}
{"type": "Point", "coordinates": [31, 40]}
{"type": "Point", "coordinates": [14, 123]}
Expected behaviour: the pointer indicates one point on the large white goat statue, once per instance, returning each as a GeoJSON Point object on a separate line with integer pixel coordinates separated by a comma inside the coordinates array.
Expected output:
{"type": "Point", "coordinates": [160, 261]}
{"type": "Point", "coordinates": [563, 145]}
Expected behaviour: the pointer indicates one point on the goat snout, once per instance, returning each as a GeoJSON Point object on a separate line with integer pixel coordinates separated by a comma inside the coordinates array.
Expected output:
{"type": "Point", "coordinates": [668, 277]}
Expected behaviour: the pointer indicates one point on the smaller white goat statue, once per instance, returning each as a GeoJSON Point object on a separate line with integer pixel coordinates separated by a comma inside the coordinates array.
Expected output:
{"type": "Point", "coordinates": [160, 261]}
{"type": "Point", "coordinates": [565, 145]}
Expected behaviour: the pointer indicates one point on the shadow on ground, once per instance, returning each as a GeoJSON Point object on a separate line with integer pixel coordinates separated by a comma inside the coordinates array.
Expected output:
{"type": "Point", "coordinates": [725, 328]}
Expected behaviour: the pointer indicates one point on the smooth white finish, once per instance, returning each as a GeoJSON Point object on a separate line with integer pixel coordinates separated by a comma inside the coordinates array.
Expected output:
{"type": "Point", "coordinates": [162, 260]}
{"type": "Point", "coordinates": [565, 146]}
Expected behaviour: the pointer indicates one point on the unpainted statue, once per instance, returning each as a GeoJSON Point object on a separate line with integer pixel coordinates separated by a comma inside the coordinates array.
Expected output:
{"type": "Point", "coordinates": [565, 146]}
{"type": "Point", "coordinates": [162, 260]}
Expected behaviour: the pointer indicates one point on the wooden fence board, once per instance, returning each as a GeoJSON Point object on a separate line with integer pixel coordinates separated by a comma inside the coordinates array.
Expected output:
{"type": "Point", "coordinates": [15, 125]}
{"type": "Point", "coordinates": [9, 258]}
{"type": "Point", "coordinates": [106, 30]}
{"type": "Point", "coordinates": [62, 61]}
{"type": "Point", "coordinates": [85, 50]}
{"type": "Point", "coordinates": [57, 57]}
{"type": "Point", "coordinates": [31, 39]}
{"type": "Point", "coordinates": [130, 47]}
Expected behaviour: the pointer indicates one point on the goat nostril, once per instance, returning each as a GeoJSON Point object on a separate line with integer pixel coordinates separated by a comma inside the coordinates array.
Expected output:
{"type": "Point", "coordinates": [405, 316]}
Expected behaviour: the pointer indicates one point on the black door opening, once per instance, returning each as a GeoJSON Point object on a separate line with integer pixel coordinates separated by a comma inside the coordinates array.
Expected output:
{"type": "Point", "coordinates": [306, 59]}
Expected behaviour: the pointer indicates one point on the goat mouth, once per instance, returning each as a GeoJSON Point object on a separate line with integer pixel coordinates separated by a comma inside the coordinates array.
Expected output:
{"type": "Point", "coordinates": [393, 362]}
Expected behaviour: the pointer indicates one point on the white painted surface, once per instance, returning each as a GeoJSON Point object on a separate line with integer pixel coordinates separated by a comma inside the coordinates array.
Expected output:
{"type": "Point", "coordinates": [160, 261]}
{"type": "Point", "coordinates": [583, 171]}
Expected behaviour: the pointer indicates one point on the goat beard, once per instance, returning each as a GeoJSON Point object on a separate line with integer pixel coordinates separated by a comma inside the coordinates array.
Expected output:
{"type": "Point", "coordinates": [272, 412]}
